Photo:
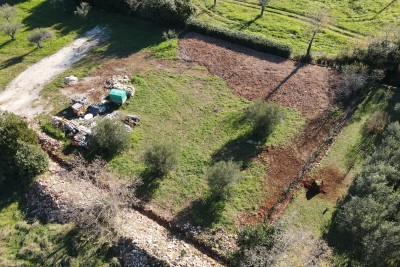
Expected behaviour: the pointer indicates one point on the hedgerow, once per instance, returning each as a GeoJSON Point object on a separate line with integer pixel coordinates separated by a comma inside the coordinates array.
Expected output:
{"type": "Point", "coordinates": [253, 41]}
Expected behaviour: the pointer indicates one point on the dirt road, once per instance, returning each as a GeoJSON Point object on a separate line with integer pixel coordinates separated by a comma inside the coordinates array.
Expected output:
{"type": "Point", "coordinates": [21, 95]}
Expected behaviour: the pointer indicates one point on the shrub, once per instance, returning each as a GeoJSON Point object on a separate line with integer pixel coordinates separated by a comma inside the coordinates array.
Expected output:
{"type": "Point", "coordinates": [354, 79]}
{"type": "Point", "coordinates": [264, 117]}
{"type": "Point", "coordinates": [83, 10]}
{"type": "Point", "coordinates": [20, 151]}
{"type": "Point", "coordinates": [30, 160]}
{"type": "Point", "coordinates": [253, 41]}
{"type": "Point", "coordinates": [161, 158]}
{"type": "Point", "coordinates": [38, 36]}
{"type": "Point", "coordinates": [256, 235]}
{"type": "Point", "coordinates": [377, 123]}
{"type": "Point", "coordinates": [110, 137]}
{"type": "Point", "coordinates": [171, 12]}
{"type": "Point", "coordinates": [222, 178]}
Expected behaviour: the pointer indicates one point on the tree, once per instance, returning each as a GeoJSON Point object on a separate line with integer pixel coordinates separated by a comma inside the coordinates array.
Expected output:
{"type": "Point", "coordinates": [161, 157]}
{"type": "Point", "coordinates": [30, 160]}
{"type": "Point", "coordinates": [222, 177]}
{"type": "Point", "coordinates": [8, 12]}
{"type": "Point", "coordinates": [11, 27]}
{"type": "Point", "coordinates": [21, 156]}
{"type": "Point", "coordinates": [38, 36]}
{"type": "Point", "coordinates": [83, 10]}
{"type": "Point", "coordinates": [110, 137]}
{"type": "Point", "coordinates": [263, 4]}
{"type": "Point", "coordinates": [369, 218]}
{"type": "Point", "coordinates": [264, 117]}
{"type": "Point", "coordinates": [319, 18]}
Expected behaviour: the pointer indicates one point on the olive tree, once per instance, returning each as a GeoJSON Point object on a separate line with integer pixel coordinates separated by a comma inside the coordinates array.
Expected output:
{"type": "Point", "coordinates": [161, 157]}
{"type": "Point", "coordinates": [222, 177]}
{"type": "Point", "coordinates": [10, 28]}
{"type": "Point", "coordinates": [318, 19]}
{"type": "Point", "coordinates": [38, 36]}
{"type": "Point", "coordinates": [110, 137]}
{"type": "Point", "coordinates": [263, 4]}
{"type": "Point", "coordinates": [8, 12]}
{"type": "Point", "coordinates": [264, 117]}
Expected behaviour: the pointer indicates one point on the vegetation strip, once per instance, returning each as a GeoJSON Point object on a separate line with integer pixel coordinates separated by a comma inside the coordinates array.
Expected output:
{"type": "Point", "coordinates": [333, 133]}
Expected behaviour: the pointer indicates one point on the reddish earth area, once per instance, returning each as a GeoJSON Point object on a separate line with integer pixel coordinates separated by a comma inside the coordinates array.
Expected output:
{"type": "Point", "coordinates": [254, 75]}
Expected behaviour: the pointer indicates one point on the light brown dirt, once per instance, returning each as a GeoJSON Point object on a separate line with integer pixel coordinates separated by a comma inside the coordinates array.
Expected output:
{"type": "Point", "coordinates": [254, 75]}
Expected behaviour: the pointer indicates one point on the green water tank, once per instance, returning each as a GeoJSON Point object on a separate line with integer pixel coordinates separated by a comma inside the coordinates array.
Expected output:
{"type": "Point", "coordinates": [118, 96]}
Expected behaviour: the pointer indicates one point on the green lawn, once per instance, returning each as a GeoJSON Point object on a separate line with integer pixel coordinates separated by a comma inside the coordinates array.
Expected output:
{"type": "Point", "coordinates": [200, 114]}
{"type": "Point", "coordinates": [286, 21]}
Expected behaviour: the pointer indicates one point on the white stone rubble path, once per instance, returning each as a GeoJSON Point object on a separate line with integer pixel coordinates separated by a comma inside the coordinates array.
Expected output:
{"type": "Point", "coordinates": [145, 233]}
{"type": "Point", "coordinates": [20, 95]}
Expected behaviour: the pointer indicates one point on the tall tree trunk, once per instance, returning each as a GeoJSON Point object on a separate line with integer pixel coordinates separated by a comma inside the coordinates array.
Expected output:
{"type": "Point", "coordinates": [262, 10]}
{"type": "Point", "coordinates": [311, 43]}
{"type": "Point", "coordinates": [215, 3]}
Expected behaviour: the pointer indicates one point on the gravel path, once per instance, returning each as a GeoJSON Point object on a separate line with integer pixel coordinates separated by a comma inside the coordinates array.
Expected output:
{"type": "Point", "coordinates": [21, 94]}
{"type": "Point", "coordinates": [56, 198]}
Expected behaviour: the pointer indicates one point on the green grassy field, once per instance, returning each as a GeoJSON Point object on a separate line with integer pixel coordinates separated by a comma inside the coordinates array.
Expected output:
{"type": "Point", "coordinates": [199, 113]}
{"type": "Point", "coordinates": [286, 21]}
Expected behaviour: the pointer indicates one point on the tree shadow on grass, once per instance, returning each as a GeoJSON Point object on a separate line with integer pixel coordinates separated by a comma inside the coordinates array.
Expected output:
{"type": "Point", "coordinates": [242, 149]}
{"type": "Point", "coordinates": [247, 24]}
{"type": "Point", "coordinates": [204, 212]}
{"type": "Point", "coordinates": [150, 184]}
{"type": "Point", "coordinates": [13, 61]}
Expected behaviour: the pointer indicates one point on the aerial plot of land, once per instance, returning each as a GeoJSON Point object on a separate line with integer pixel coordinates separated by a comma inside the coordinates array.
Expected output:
{"type": "Point", "coordinates": [199, 133]}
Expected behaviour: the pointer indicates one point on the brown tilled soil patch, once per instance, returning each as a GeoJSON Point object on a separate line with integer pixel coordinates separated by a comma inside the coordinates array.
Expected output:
{"type": "Point", "coordinates": [254, 75]}
{"type": "Point", "coordinates": [331, 178]}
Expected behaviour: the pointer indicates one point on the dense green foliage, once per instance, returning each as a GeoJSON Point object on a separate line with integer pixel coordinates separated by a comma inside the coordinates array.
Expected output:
{"type": "Point", "coordinates": [161, 157]}
{"type": "Point", "coordinates": [264, 117]}
{"type": "Point", "coordinates": [369, 219]}
{"type": "Point", "coordinates": [222, 177]}
{"type": "Point", "coordinates": [173, 12]}
{"type": "Point", "coordinates": [253, 41]}
{"type": "Point", "coordinates": [20, 154]}
{"type": "Point", "coordinates": [110, 137]}
{"type": "Point", "coordinates": [30, 160]}
{"type": "Point", "coordinates": [257, 235]}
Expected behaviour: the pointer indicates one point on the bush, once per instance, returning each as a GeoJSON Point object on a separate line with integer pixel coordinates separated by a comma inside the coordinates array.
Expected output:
{"type": "Point", "coordinates": [255, 235]}
{"type": "Point", "coordinates": [222, 178]}
{"type": "Point", "coordinates": [110, 137]}
{"type": "Point", "coordinates": [30, 160]}
{"type": "Point", "coordinates": [171, 12]}
{"type": "Point", "coordinates": [377, 123]}
{"type": "Point", "coordinates": [354, 79]}
{"type": "Point", "coordinates": [83, 10]}
{"type": "Point", "coordinates": [253, 41]}
{"type": "Point", "coordinates": [161, 158]}
{"type": "Point", "coordinates": [38, 36]}
{"type": "Point", "coordinates": [20, 154]}
{"type": "Point", "coordinates": [264, 117]}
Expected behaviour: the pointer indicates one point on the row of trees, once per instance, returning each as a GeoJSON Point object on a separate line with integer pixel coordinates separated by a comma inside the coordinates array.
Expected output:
{"type": "Point", "coordinates": [368, 222]}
